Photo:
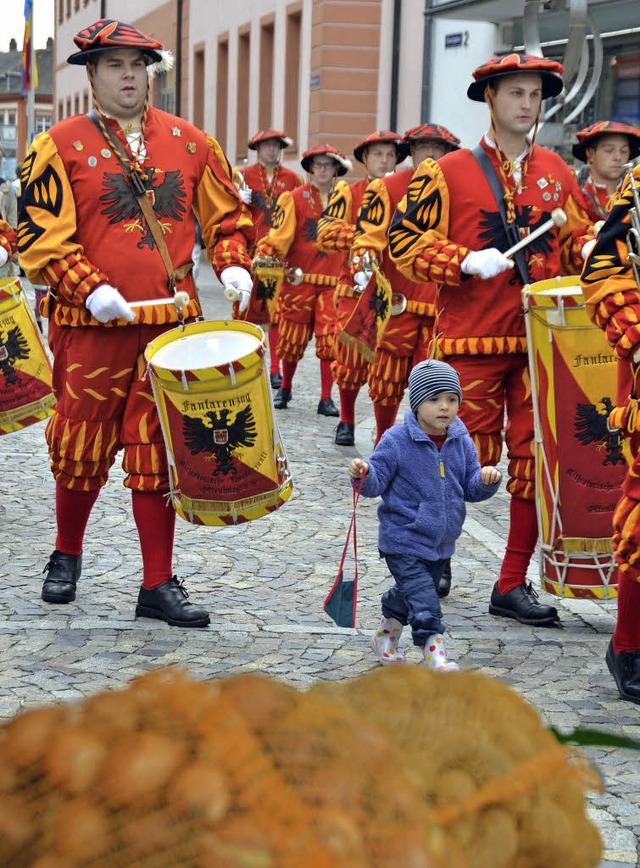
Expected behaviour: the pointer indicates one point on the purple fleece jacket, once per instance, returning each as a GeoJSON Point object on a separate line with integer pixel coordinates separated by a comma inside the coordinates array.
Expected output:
{"type": "Point", "coordinates": [423, 490]}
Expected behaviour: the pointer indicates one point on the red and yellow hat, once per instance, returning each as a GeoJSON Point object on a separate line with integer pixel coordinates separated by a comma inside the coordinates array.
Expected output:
{"type": "Point", "coordinates": [497, 66]}
{"type": "Point", "coordinates": [384, 136]}
{"type": "Point", "coordinates": [588, 137]}
{"type": "Point", "coordinates": [343, 164]}
{"type": "Point", "coordinates": [432, 132]}
{"type": "Point", "coordinates": [107, 33]}
{"type": "Point", "coordinates": [268, 135]}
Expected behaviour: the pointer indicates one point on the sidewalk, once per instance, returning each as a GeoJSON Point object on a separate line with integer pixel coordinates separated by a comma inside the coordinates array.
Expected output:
{"type": "Point", "coordinates": [264, 583]}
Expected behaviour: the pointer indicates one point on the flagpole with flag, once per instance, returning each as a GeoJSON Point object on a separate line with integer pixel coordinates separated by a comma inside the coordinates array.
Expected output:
{"type": "Point", "coordinates": [29, 69]}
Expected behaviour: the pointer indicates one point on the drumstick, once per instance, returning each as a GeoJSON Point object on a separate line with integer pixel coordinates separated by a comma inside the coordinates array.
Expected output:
{"type": "Point", "coordinates": [180, 299]}
{"type": "Point", "coordinates": [558, 218]}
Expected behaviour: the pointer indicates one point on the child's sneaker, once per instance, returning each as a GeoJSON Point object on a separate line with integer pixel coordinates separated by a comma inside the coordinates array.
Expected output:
{"type": "Point", "coordinates": [435, 656]}
{"type": "Point", "coordinates": [385, 642]}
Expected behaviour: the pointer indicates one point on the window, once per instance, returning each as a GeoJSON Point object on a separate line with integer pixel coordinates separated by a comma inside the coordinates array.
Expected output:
{"type": "Point", "coordinates": [198, 88]}
{"type": "Point", "coordinates": [242, 97]}
{"type": "Point", "coordinates": [265, 108]}
{"type": "Point", "coordinates": [166, 91]}
{"type": "Point", "coordinates": [43, 123]}
{"type": "Point", "coordinates": [292, 74]}
{"type": "Point", "coordinates": [222, 82]}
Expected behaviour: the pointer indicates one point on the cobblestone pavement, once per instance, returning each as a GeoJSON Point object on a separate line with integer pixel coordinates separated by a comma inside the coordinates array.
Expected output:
{"type": "Point", "coordinates": [265, 582]}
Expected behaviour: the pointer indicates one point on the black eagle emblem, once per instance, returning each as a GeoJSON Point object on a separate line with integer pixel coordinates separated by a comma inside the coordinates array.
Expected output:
{"type": "Point", "coordinates": [310, 229]}
{"type": "Point", "coordinates": [220, 437]}
{"type": "Point", "coordinates": [122, 205]}
{"type": "Point", "coordinates": [13, 347]}
{"type": "Point", "coordinates": [590, 426]}
{"type": "Point", "coordinates": [258, 201]}
{"type": "Point", "coordinates": [492, 234]}
{"type": "Point", "coordinates": [379, 304]}
{"type": "Point", "coordinates": [266, 288]}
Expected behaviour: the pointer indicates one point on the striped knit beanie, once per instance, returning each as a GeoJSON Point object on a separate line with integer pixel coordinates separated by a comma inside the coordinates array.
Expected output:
{"type": "Point", "coordinates": [429, 378]}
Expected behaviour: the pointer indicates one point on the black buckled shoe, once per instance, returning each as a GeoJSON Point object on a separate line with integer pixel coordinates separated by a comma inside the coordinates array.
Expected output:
{"type": "Point", "coordinates": [282, 398]}
{"type": "Point", "coordinates": [345, 434]}
{"type": "Point", "coordinates": [625, 668]}
{"type": "Point", "coordinates": [63, 572]}
{"type": "Point", "coordinates": [521, 604]}
{"type": "Point", "coordinates": [326, 407]}
{"type": "Point", "coordinates": [444, 584]}
{"type": "Point", "coordinates": [168, 602]}
{"type": "Point", "coordinates": [276, 380]}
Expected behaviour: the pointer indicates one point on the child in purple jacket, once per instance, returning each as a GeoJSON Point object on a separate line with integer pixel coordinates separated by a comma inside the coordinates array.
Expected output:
{"type": "Point", "coordinates": [424, 470]}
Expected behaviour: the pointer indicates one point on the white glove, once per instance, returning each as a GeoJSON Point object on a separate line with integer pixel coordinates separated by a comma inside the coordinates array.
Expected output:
{"type": "Point", "coordinates": [245, 194]}
{"type": "Point", "coordinates": [588, 247]}
{"type": "Point", "coordinates": [105, 303]}
{"type": "Point", "coordinates": [238, 279]}
{"type": "Point", "coordinates": [4, 256]}
{"type": "Point", "coordinates": [486, 263]}
{"type": "Point", "coordinates": [362, 278]}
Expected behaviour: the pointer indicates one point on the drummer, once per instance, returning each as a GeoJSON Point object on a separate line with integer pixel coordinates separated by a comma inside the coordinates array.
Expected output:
{"type": "Point", "coordinates": [605, 147]}
{"type": "Point", "coordinates": [452, 230]}
{"type": "Point", "coordinates": [89, 240]}
{"type": "Point", "coordinates": [261, 184]}
{"type": "Point", "coordinates": [307, 308]}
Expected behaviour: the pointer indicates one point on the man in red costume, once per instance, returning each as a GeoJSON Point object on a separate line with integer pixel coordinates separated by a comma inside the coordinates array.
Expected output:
{"type": "Point", "coordinates": [83, 231]}
{"type": "Point", "coordinates": [451, 229]}
{"type": "Point", "coordinates": [407, 334]}
{"type": "Point", "coordinates": [612, 292]}
{"type": "Point", "coordinates": [605, 147]}
{"type": "Point", "coordinates": [261, 184]}
{"type": "Point", "coordinates": [306, 308]}
{"type": "Point", "coordinates": [379, 153]}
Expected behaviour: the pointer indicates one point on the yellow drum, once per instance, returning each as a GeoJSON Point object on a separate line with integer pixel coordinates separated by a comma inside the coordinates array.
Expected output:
{"type": "Point", "coordinates": [579, 462]}
{"type": "Point", "coordinates": [226, 461]}
{"type": "Point", "coordinates": [25, 369]}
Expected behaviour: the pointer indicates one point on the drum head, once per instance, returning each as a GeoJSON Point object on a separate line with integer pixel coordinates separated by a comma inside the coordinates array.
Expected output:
{"type": "Point", "coordinates": [208, 349]}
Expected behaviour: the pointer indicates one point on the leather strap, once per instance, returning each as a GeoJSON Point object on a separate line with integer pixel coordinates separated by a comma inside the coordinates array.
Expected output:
{"type": "Point", "coordinates": [511, 229]}
{"type": "Point", "coordinates": [138, 189]}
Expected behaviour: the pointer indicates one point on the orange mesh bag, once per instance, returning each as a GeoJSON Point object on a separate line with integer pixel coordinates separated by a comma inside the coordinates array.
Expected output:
{"type": "Point", "coordinates": [493, 777]}
{"type": "Point", "coordinates": [242, 772]}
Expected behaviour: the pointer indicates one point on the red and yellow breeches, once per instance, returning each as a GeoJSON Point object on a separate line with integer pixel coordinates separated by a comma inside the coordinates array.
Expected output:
{"type": "Point", "coordinates": [104, 403]}
{"type": "Point", "coordinates": [304, 311]}
{"type": "Point", "coordinates": [492, 385]}
{"type": "Point", "coordinates": [349, 368]}
{"type": "Point", "coordinates": [626, 519]}
{"type": "Point", "coordinates": [404, 342]}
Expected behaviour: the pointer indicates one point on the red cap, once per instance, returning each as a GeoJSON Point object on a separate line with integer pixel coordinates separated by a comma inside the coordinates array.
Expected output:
{"type": "Point", "coordinates": [433, 132]}
{"type": "Point", "coordinates": [107, 33]}
{"type": "Point", "coordinates": [269, 135]}
{"type": "Point", "coordinates": [344, 165]}
{"type": "Point", "coordinates": [590, 135]}
{"type": "Point", "coordinates": [387, 136]}
{"type": "Point", "coordinates": [510, 64]}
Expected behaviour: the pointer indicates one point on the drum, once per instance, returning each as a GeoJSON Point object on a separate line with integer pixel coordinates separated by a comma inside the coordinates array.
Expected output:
{"type": "Point", "coordinates": [579, 462]}
{"type": "Point", "coordinates": [226, 461]}
{"type": "Point", "coordinates": [25, 368]}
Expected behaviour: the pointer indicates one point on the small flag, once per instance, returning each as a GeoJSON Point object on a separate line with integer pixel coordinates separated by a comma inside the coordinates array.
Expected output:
{"type": "Point", "coordinates": [364, 327]}
{"type": "Point", "coordinates": [27, 50]}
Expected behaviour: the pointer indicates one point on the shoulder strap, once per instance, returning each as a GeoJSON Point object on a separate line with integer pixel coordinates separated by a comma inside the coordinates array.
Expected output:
{"type": "Point", "coordinates": [511, 230]}
{"type": "Point", "coordinates": [139, 191]}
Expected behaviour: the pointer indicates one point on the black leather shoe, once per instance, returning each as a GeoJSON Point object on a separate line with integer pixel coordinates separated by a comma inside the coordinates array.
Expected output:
{"type": "Point", "coordinates": [168, 602]}
{"type": "Point", "coordinates": [521, 603]}
{"type": "Point", "coordinates": [625, 668]}
{"type": "Point", "coordinates": [276, 380]}
{"type": "Point", "coordinates": [281, 400]}
{"type": "Point", "coordinates": [326, 407]}
{"type": "Point", "coordinates": [345, 434]}
{"type": "Point", "coordinates": [444, 585]}
{"type": "Point", "coordinates": [63, 573]}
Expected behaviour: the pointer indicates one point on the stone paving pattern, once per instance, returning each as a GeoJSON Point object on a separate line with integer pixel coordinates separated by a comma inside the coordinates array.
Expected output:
{"type": "Point", "coordinates": [264, 583]}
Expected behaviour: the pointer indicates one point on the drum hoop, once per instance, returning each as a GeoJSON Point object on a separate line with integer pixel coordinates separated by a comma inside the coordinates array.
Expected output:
{"type": "Point", "coordinates": [203, 327]}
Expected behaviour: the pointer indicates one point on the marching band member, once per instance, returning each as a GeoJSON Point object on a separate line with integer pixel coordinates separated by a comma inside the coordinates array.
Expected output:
{"type": "Point", "coordinates": [94, 190]}
{"type": "Point", "coordinates": [451, 229]}
{"type": "Point", "coordinates": [605, 147]}
{"type": "Point", "coordinates": [407, 333]}
{"type": "Point", "coordinates": [262, 183]}
{"type": "Point", "coordinates": [379, 152]}
{"type": "Point", "coordinates": [611, 288]}
{"type": "Point", "coordinates": [306, 308]}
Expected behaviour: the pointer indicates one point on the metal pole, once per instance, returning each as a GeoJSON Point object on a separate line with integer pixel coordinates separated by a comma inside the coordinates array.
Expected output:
{"type": "Point", "coordinates": [395, 64]}
{"type": "Point", "coordinates": [31, 93]}
{"type": "Point", "coordinates": [178, 84]}
{"type": "Point", "coordinates": [425, 102]}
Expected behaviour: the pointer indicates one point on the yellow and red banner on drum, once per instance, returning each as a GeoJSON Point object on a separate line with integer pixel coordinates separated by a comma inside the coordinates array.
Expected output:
{"type": "Point", "coordinates": [25, 368]}
{"type": "Point", "coordinates": [226, 462]}
{"type": "Point", "coordinates": [579, 461]}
